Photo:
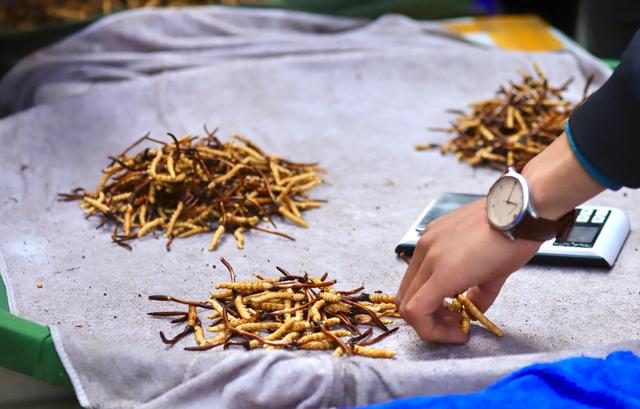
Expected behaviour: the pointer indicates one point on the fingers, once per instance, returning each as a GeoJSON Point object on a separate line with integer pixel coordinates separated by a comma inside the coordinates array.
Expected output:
{"type": "Point", "coordinates": [439, 328]}
{"type": "Point", "coordinates": [419, 278]}
{"type": "Point", "coordinates": [483, 295]}
{"type": "Point", "coordinates": [447, 317]}
{"type": "Point", "coordinates": [416, 261]}
{"type": "Point", "coordinates": [441, 333]}
{"type": "Point", "coordinates": [433, 233]}
{"type": "Point", "coordinates": [425, 313]}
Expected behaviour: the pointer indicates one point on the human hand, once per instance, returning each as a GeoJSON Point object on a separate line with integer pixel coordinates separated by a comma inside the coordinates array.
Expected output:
{"type": "Point", "coordinates": [457, 252]}
{"type": "Point", "coordinates": [460, 251]}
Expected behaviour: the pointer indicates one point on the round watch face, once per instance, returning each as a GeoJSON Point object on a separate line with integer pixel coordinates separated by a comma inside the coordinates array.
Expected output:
{"type": "Point", "coordinates": [505, 202]}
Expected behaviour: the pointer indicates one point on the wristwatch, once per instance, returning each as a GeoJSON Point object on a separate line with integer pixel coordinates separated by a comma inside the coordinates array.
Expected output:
{"type": "Point", "coordinates": [510, 210]}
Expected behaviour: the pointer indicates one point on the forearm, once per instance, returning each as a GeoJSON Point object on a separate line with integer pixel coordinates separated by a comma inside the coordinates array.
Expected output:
{"type": "Point", "coordinates": [600, 150]}
{"type": "Point", "coordinates": [558, 181]}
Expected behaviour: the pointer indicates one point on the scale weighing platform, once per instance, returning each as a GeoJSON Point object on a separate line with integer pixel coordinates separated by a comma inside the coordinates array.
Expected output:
{"type": "Point", "coordinates": [595, 239]}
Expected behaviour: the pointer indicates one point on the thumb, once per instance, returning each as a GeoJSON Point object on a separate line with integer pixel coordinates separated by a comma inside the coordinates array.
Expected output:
{"type": "Point", "coordinates": [483, 295]}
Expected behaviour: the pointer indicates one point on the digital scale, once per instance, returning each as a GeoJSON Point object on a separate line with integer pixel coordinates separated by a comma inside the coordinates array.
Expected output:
{"type": "Point", "coordinates": [595, 239]}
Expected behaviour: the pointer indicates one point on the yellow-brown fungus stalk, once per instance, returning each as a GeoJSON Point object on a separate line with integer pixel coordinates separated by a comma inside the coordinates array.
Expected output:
{"type": "Point", "coordinates": [468, 311]}
{"type": "Point", "coordinates": [193, 185]}
{"type": "Point", "coordinates": [515, 125]}
{"type": "Point", "coordinates": [290, 312]}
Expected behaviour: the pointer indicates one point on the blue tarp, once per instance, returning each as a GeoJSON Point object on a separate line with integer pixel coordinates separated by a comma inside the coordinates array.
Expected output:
{"type": "Point", "coordinates": [613, 382]}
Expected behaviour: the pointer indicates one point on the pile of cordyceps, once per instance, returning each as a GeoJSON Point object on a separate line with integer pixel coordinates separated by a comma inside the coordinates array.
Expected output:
{"type": "Point", "coordinates": [33, 14]}
{"type": "Point", "coordinates": [518, 123]}
{"type": "Point", "coordinates": [288, 312]}
{"type": "Point", "coordinates": [197, 185]}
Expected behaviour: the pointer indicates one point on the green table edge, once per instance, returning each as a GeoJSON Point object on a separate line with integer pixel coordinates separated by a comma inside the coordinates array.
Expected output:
{"type": "Point", "coordinates": [611, 63]}
{"type": "Point", "coordinates": [4, 302]}
{"type": "Point", "coordinates": [27, 347]}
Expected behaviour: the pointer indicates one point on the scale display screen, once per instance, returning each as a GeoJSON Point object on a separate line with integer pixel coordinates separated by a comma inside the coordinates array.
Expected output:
{"type": "Point", "coordinates": [583, 234]}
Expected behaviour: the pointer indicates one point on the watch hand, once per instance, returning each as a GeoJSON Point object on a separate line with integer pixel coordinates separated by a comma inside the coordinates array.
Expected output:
{"type": "Point", "coordinates": [510, 193]}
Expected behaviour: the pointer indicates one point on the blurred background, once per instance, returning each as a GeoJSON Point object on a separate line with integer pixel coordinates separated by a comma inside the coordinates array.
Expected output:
{"type": "Point", "coordinates": [602, 27]}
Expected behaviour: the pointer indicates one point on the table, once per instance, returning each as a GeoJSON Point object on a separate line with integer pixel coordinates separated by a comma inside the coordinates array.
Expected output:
{"type": "Point", "coordinates": [27, 347]}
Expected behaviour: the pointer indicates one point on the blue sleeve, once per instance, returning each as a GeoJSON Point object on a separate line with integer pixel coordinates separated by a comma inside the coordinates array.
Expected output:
{"type": "Point", "coordinates": [576, 383]}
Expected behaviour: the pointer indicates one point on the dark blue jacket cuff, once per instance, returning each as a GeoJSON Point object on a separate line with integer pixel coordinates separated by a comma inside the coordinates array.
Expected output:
{"type": "Point", "coordinates": [591, 170]}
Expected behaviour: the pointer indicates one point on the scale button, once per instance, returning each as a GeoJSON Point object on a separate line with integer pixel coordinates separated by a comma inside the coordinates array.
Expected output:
{"type": "Point", "coordinates": [598, 219]}
{"type": "Point", "coordinates": [584, 216]}
{"type": "Point", "coordinates": [602, 212]}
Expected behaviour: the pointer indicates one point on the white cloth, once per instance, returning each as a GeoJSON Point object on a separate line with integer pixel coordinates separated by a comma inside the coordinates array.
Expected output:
{"type": "Point", "coordinates": [356, 97]}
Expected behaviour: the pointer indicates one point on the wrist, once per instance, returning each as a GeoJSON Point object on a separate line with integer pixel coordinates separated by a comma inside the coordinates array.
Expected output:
{"type": "Point", "coordinates": [557, 180]}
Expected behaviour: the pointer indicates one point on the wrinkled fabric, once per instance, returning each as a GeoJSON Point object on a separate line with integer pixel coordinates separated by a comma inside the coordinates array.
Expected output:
{"type": "Point", "coordinates": [280, 379]}
{"type": "Point", "coordinates": [142, 43]}
{"type": "Point", "coordinates": [354, 97]}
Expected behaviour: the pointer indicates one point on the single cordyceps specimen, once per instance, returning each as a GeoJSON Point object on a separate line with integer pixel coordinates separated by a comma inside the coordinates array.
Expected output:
{"type": "Point", "coordinates": [468, 311]}
{"type": "Point", "coordinates": [511, 128]}
{"type": "Point", "coordinates": [292, 312]}
{"type": "Point", "coordinates": [196, 185]}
